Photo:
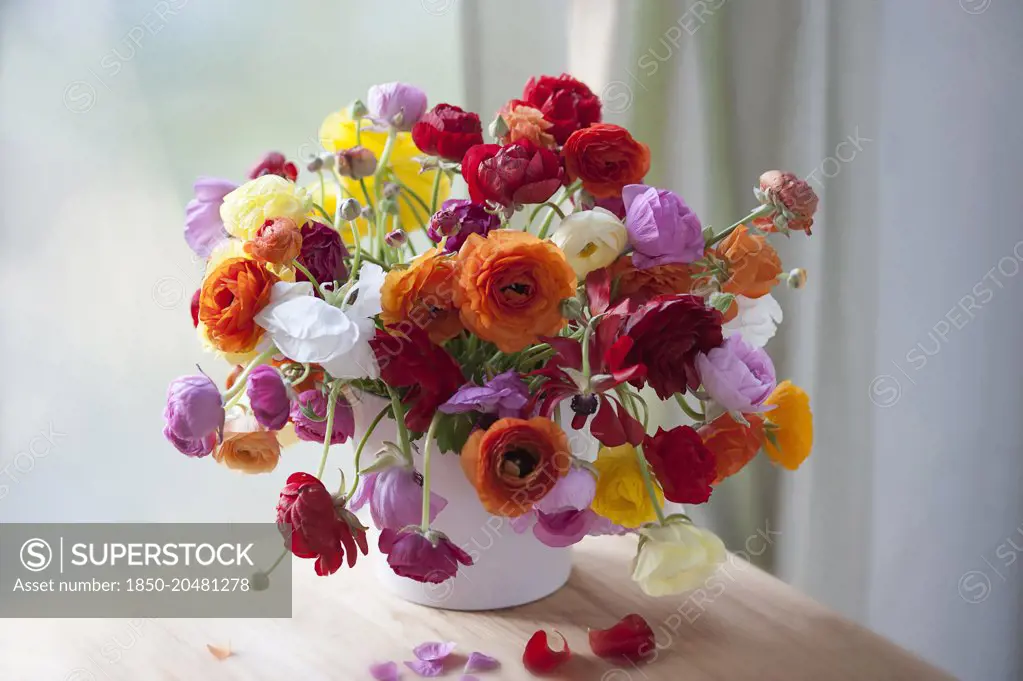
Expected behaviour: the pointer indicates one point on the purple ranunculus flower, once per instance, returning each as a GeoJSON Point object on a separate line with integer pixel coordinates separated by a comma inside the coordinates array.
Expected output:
{"type": "Point", "coordinates": [504, 395]}
{"type": "Point", "coordinates": [395, 498]}
{"type": "Point", "coordinates": [457, 219]}
{"type": "Point", "coordinates": [387, 100]}
{"type": "Point", "coordinates": [662, 228]}
{"type": "Point", "coordinates": [203, 227]}
{"type": "Point", "coordinates": [316, 431]}
{"type": "Point", "coordinates": [322, 253]}
{"type": "Point", "coordinates": [736, 375]}
{"type": "Point", "coordinates": [194, 414]}
{"type": "Point", "coordinates": [268, 397]}
{"type": "Point", "coordinates": [563, 517]}
{"type": "Point", "coordinates": [431, 558]}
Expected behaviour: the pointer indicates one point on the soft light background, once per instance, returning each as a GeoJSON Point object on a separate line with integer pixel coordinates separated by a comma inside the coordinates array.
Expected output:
{"type": "Point", "coordinates": [908, 515]}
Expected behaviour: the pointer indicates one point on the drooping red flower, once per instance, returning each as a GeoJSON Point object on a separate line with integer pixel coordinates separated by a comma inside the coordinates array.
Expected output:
{"type": "Point", "coordinates": [564, 101]}
{"type": "Point", "coordinates": [538, 658]}
{"type": "Point", "coordinates": [447, 131]}
{"type": "Point", "coordinates": [630, 639]}
{"type": "Point", "coordinates": [408, 359]}
{"type": "Point", "coordinates": [512, 175]}
{"type": "Point", "coordinates": [684, 466]}
{"type": "Point", "coordinates": [667, 333]}
{"type": "Point", "coordinates": [431, 558]}
{"type": "Point", "coordinates": [274, 163]}
{"type": "Point", "coordinates": [612, 425]}
{"type": "Point", "coordinates": [320, 526]}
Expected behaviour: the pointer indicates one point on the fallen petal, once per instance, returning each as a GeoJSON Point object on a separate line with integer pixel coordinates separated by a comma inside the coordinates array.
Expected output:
{"type": "Point", "coordinates": [538, 657]}
{"type": "Point", "coordinates": [468, 677]}
{"type": "Point", "coordinates": [384, 671]}
{"type": "Point", "coordinates": [433, 650]}
{"type": "Point", "coordinates": [426, 668]}
{"type": "Point", "coordinates": [480, 662]}
{"type": "Point", "coordinates": [219, 652]}
{"type": "Point", "coordinates": [631, 639]}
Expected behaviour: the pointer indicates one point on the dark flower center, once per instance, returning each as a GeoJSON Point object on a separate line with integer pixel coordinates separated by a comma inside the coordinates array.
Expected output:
{"type": "Point", "coordinates": [517, 288]}
{"type": "Point", "coordinates": [518, 463]}
{"type": "Point", "coordinates": [585, 404]}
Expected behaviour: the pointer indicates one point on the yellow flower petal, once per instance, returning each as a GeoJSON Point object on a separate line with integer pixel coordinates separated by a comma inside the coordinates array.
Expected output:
{"type": "Point", "coordinates": [621, 495]}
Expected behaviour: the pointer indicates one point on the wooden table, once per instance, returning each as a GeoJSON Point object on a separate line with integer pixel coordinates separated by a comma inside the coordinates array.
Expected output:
{"type": "Point", "coordinates": [750, 626]}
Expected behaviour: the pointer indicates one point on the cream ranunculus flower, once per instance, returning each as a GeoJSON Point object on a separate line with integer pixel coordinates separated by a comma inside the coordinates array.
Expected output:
{"type": "Point", "coordinates": [675, 558]}
{"type": "Point", "coordinates": [591, 239]}
{"type": "Point", "coordinates": [270, 196]}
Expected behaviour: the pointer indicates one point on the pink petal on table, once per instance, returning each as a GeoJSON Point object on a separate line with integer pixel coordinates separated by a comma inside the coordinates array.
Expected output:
{"type": "Point", "coordinates": [384, 671]}
{"type": "Point", "coordinates": [426, 667]}
{"type": "Point", "coordinates": [433, 650]}
{"type": "Point", "coordinates": [479, 662]}
{"type": "Point", "coordinates": [468, 677]}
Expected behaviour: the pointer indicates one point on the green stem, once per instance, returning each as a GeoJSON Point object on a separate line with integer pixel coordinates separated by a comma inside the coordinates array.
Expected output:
{"type": "Point", "coordinates": [239, 384]}
{"type": "Point", "coordinates": [323, 189]}
{"type": "Point", "coordinates": [690, 412]}
{"type": "Point", "coordinates": [398, 411]}
{"type": "Point", "coordinates": [436, 192]}
{"type": "Point", "coordinates": [375, 261]}
{"type": "Point", "coordinates": [378, 177]}
{"type": "Point", "coordinates": [405, 189]}
{"type": "Point", "coordinates": [426, 470]}
{"type": "Point", "coordinates": [302, 268]}
{"type": "Point", "coordinates": [362, 445]}
{"type": "Point", "coordinates": [276, 562]}
{"type": "Point", "coordinates": [758, 212]}
{"type": "Point", "coordinates": [555, 208]}
{"type": "Point", "coordinates": [331, 403]}
{"type": "Point", "coordinates": [565, 193]}
{"type": "Point", "coordinates": [323, 212]}
{"type": "Point", "coordinates": [644, 467]}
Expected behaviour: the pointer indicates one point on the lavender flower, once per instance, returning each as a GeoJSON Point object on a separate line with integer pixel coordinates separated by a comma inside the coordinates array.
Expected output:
{"type": "Point", "coordinates": [398, 105]}
{"type": "Point", "coordinates": [504, 395]}
{"type": "Point", "coordinates": [203, 227]}
{"type": "Point", "coordinates": [736, 375]}
{"type": "Point", "coordinates": [662, 228]}
{"type": "Point", "coordinates": [457, 219]}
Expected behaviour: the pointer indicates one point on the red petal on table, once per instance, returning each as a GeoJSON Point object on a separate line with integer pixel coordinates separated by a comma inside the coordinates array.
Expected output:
{"type": "Point", "coordinates": [426, 668]}
{"type": "Point", "coordinates": [434, 650]}
{"type": "Point", "coordinates": [632, 638]}
{"type": "Point", "coordinates": [538, 657]}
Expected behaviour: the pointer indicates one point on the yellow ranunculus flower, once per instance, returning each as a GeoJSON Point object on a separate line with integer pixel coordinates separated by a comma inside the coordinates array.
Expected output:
{"type": "Point", "coordinates": [338, 132]}
{"type": "Point", "coordinates": [790, 424]}
{"type": "Point", "coordinates": [675, 558]}
{"type": "Point", "coordinates": [621, 496]}
{"type": "Point", "coordinates": [270, 196]}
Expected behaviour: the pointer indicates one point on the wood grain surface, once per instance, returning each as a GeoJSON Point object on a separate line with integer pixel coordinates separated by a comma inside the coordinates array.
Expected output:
{"type": "Point", "coordinates": [744, 625]}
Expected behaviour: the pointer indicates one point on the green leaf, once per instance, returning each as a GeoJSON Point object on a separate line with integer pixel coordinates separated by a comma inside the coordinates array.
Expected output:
{"type": "Point", "coordinates": [721, 301]}
{"type": "Point", "coordinates": [772, 437]}
{"type": "Point", "coordinates": [452, 431]}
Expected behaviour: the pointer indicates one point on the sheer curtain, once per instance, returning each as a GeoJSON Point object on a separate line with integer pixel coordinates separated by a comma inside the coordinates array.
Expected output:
{"type": "Point", "coordinates": [904, 116]}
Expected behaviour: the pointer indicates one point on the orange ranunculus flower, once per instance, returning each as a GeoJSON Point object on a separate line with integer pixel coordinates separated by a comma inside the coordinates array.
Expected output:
{"type": "Point", "coordinates": [510, 288]}
{"type": "Point", "coordinates": [734, 445]}
{"type": "Point", "coordinates": [278, 241]}
{"type": "Point", "coordinates": [641, 285]}
{"type": "Point", "coordinates": [423, 293]}
{"type": "Point", "coordinates": [515, 463]}
{"type": "Point", "coordinates": [606, 158]}
{"type": "Point", "coordinates": [525, 122]}
{"type": "Point", "coordinates": [231, 296]}
{"type": "Point", "coordinates": [753, 264]}
{"type": "Point", "coordinates": [790, 424]}
{"type": "Point", "coordinates": [246, 446]}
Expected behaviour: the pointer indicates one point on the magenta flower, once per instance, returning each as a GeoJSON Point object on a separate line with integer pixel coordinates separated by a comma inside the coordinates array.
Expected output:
{"type": "Point", "coordinates": [425, 557]}
{"type": "Point", "coordinates": [662, 228]}
{"type": "Point", "coordinates": [203, 227]}
{"type": "Point", "coordinates": [274, 163]}
{"type": "Point", "coordinates": [398, 105]}
{"type": "Point", "coordinates": [315, 431]}
{"type": "Point", "coordinates": [395, 498]}
{"type": "Point", "coordinates": [504, 395]}
{"type": "Point", "coordinates": [457, 219]}
{"type": "Point", "coordinates": [194, 415]}
{"type": "Point", "coordinates": [322, 254]}
{"type": "Point", "coordinates": [268, 397]}
{"type": "Point", "coordinates": [736, 375]}
{"type": "Point", "coordinates": [563, 517]}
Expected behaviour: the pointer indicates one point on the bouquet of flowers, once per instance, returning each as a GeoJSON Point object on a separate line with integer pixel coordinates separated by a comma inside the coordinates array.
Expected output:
{"type": "Point", "coordinates": [557, 291]}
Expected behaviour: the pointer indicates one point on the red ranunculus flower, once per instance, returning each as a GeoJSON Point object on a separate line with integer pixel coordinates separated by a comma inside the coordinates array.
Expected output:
{"type": "Point", "coordinates": [409, 359]}
{"type": "Point", "coordinates": [564, 101]}
{"type": "Point", "coordinates": [606, 158]}
{"type": "Point", "coordinates": [274, 163]}
{"type": "Point", "coordinates": [447, 131]}
{"type": "Point", "coordinates": [682, 463]}
{"type": "Point", "coordinates": [667, 333]}
{"type": "Point", "coordinates": [321, 527]}
{"type": "Point", "coordinates": [512, 175]}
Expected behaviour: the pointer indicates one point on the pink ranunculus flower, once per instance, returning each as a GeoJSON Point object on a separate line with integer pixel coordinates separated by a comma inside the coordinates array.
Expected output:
{"type": "Point", "coordinates": [563, 517]}
{"type": "Point", "coordinates": [395, 498]}
{"type": "Point", "coordinates": [194, 415]}
{"type": "Point", "coordinates": [268, 397]}
{"type": "Point", "coordinates": [315, 431]}
{"type": "Point", "coordinates": [738, 376]}
{"type": "Point", "coordinates": [425, 557]}
{"type": "Point", "coordinates": [204, 229]}
{"type": "Point", "coordinates": [662, 228]}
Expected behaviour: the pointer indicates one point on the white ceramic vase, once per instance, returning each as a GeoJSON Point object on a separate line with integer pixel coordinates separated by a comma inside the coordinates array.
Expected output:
{"type": "Point", "coordinates": [509, 568]}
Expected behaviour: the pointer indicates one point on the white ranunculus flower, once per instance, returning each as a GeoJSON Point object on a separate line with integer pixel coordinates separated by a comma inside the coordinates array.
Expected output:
{"type": "Point", "coordinates": [591, 239]}
{"type": "Point", "coordinates": [675, 558]}
{"type": "Point", "coordinates": [308, 329]}
{"type": "Point", "coordinates": [757, 320]}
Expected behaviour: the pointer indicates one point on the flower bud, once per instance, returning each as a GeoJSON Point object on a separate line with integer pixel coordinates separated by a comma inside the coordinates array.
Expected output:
{"type": "Point", "coordinates": [396, 238]}
{"type": "Point", "coordinates": [368, 214]}
{"type": "Point", "coordinates": [327, 158]}
{"type": "Point", "coordinates": [350, 209]}
{"type": "Point", "coordinates": [315, 164]}
{"type": "Point", "coordinates": [357, 162]}
{"type": "Point", "coordinates": [391, 190]}
{"type": "Point", "coordinates": [359, 109]}
{"type": "Point", "coordinates": [444, 223]}
{"type": "Point", "coordinates": [498, 128]}
{"type": "Point", "coordinates": [389, 206]}
{"type": "Point", "coordinates": [796, 278]}
{"type": "Point", "coordinates": [260, 581]}
{"type": "Point", "coordinates": [571, 308]}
